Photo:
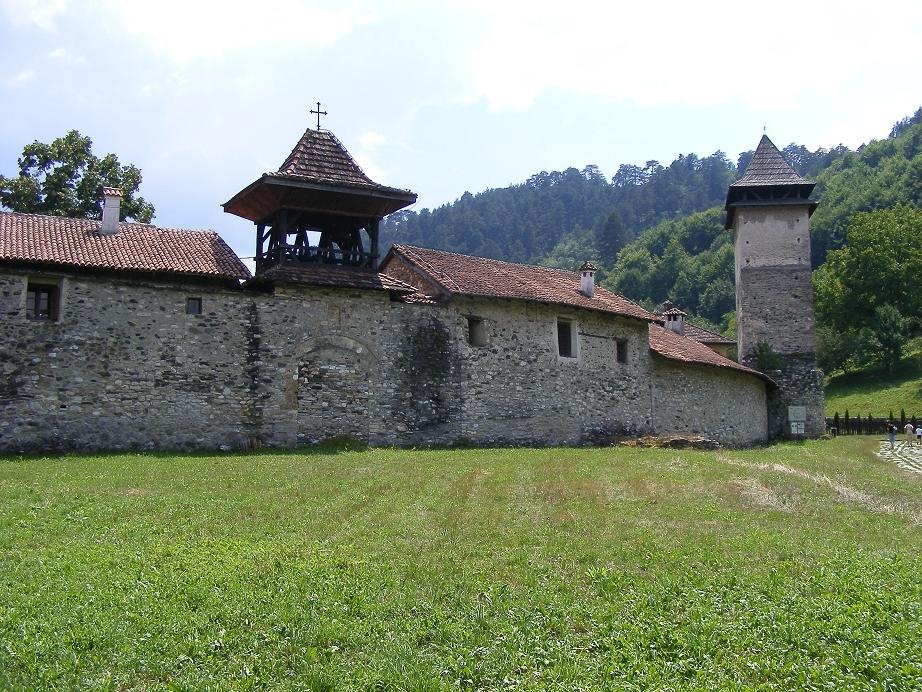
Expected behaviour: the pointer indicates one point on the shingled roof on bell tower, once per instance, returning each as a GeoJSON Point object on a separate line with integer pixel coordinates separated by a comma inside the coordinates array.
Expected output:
{"type": "Point", "coordinates": [321, 157]}
{"type": "Point", "coordinates": [768, 180]}
{"type": "Point", "coordinates": [318, 175]}
{"type": "Point", "coordinates": [318, 209]}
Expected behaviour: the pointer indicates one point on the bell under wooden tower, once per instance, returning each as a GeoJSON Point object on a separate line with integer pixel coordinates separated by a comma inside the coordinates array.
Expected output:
{"type": "Point", "coordinates": [318, 209]}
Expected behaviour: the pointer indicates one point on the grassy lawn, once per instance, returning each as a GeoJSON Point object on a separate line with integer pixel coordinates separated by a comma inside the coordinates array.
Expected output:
{"type": "Point", "coordinates": [877, 392]}
{"type": "Point", "coordinates": [793, 567]}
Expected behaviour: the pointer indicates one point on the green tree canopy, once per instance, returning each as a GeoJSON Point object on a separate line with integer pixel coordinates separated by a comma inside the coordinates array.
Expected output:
{"type": "Point", "coordinates": [880, 265]}
{"type": "Point", "coordinates": [65, 178]}
{"type": "Point", "coordinates": [870, 287]}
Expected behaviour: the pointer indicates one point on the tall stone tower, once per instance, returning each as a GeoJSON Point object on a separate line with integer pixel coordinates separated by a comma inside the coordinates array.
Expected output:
{"type": "Point", "coordinates": [768, 211]}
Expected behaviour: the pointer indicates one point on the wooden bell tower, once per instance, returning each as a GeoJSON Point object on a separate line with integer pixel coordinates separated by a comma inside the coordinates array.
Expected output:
{"type": "Point", "coordinates": [318, 209]}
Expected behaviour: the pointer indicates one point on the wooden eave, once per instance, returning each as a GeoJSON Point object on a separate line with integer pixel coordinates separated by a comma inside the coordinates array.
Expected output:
{"type": "Point", "coordinates": [271, 192]}
{"type": "Point", "coordinates": [126, 275]}
{"type": "Point", "coordinates": [767, 196]}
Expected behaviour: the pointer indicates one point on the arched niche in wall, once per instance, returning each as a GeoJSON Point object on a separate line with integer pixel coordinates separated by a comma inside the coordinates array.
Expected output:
{"type": "Point", "coordinates": [334, 377]}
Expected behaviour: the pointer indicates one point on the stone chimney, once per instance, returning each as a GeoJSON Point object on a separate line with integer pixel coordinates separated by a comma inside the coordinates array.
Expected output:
{"type": "Point", "coordinates": [673, 317]}
{"type": "Point", "coordinates": [111, 203]}
{"type": "Point", "coordinates": [587, 279]}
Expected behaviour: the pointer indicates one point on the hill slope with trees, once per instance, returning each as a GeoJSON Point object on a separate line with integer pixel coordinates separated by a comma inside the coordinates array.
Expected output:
{"type": "Point", "coordinates": [690, 260]}
{"type": "Point", "coordinates": [656, 232]}
{"type": "Point", "coordinates": [527, 222]}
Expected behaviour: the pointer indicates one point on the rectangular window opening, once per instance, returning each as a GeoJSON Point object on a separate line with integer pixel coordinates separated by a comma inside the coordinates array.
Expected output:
{"type": "Point", "coordinates": [43, 301]}
{"type": "Point", "coordinates": [476, 331]}
{"type": "Point", "coordinates": [621, 350]}
{"type": "Point", "coordinates": [193, 306]}
{"type": "Point", "coordinates": [566, 339]}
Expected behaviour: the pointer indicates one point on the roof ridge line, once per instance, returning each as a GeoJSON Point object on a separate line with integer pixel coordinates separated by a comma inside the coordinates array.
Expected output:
{"type": "Point", "coordinates": [492, 259]}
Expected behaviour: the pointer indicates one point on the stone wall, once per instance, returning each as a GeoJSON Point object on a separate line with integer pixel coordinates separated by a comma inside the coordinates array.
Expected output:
{"type": "Point", "coordinates": [799, 398]}
{"type": "Point", "coordinates": [517, 390]}
{"type": "Point", "coordinates": [126, 368]}
{"type": "Point", "coordinates": [725, 405]}
{"type": "Point", "coordinates": [774, 293]}
{"type": "Point", "coordinates": [774, 305]}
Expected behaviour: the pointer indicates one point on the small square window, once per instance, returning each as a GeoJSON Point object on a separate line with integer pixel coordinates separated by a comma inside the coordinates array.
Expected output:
{"type": "Point", "coordinates": [621, 350]}
{"type": "Point", "coordinates": [476, 331]}
{"type": "Point", "coordinates": [193, 306]}
{"type": "Point", "coordinates": [566, 339]}
{"type": "Point", "coordinates": [42, 301]}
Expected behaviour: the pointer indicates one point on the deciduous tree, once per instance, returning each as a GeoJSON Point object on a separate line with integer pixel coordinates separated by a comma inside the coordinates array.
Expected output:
{"type": "Point", "coordinates": [65, 178]}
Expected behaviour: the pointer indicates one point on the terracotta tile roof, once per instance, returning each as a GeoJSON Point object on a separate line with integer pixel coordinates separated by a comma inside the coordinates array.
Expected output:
{"type": "Point", "coordinates": [321, 158]}
{"type": "Point", "coordinates": [680, 348]}
{"type": "Point", "coordinates": [138, 247]}
{"type": "Point", "coordinates": [768, 167]}
{"type": "Point", "coordinates": [706, 336]}
{"type": "Point", "coordinates": [480, 276]}
{"type": "Point", "coordinates": [342, 277]}
{"type": "Point", "coordinates": [672, 311]}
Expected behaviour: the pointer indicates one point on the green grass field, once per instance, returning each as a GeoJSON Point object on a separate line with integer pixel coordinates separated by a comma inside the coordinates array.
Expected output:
{"type": "Point", "coordinates": [877, 392]}
{"type": "Point", "coordinates": [793, 567]}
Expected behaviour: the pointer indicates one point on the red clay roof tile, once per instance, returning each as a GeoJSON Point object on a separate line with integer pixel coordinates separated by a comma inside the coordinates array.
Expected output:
{"type": "Point", "coordinates": [670, 345]}
{"type": "Point", "coordinates": [706, 336]}
{"type": "Point", "coordinates": [481, 276]}
{"type": "Point", "coordinates": [138, 247]}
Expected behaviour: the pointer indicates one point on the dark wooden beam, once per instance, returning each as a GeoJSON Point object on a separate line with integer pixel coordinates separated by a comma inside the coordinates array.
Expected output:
{"type": "Point", "coordinates": [372, 228]}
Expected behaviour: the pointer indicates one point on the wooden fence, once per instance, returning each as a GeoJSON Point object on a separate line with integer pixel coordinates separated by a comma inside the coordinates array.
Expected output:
{"type": "Point", "coordinates": [867, 425]}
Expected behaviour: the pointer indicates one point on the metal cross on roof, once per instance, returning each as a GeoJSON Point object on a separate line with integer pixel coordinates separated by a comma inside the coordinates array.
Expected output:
{"type": "Point", "coordinates": [319, 113]}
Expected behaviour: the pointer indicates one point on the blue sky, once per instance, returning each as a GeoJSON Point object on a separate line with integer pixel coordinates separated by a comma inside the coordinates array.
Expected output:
{"type": "Point", "coordinates": [442, 97]}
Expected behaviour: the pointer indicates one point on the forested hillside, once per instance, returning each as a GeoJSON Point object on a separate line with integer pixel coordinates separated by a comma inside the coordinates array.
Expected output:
{"type": "Point", "coordinates": [552, 215]}
{"type": "Point", "coordinates": [656, 231]}
{"type": "Point", "coordinates": [524, 223]}
{"type": "Point", "coordinates": [690, 260]}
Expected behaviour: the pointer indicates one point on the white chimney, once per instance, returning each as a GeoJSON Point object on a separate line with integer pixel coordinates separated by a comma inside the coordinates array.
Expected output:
{"type": "Point", "coordinates": [111, 202]}
{"type": "Point", "coordinates": [674, 318]}
{"type": "Point", "coordinates": [587, 279]}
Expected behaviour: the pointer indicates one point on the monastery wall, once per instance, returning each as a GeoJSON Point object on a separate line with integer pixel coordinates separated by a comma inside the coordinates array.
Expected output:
{"type": "Point", "coordinates": [126, 368]}
{"type": "Point", "coordinates": [725, 405]}
{"type": "Point", "coordinates": [123, 367]}
{"type": "Point", "coordinates": [516, 389]}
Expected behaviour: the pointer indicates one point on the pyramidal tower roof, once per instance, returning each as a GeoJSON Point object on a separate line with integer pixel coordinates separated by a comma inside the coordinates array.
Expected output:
{"type": "Point", "coordinates": [768, 167]}
{"type": "Point", "coordinates": [769, 180]}
{"type": "Point", "coordinates": [320, 176]}
{"type": "Point", "coordinates": [321, 157]}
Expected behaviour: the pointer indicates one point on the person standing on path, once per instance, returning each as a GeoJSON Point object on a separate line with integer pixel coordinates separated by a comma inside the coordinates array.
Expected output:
{"type": "Point", "coordinates": [910, 429]}
{"type": "Point", "coordinates": [891, 433]}
{"type": "Point", "coordinates": [919, 433]}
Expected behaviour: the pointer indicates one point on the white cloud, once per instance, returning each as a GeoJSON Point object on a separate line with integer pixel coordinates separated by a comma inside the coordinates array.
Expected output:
{"type": "Point", "coordinates": [372, 169]}
{"type": "Point", "coordinates": [184, 30]}
{"type": "Point", "coordinates": [58, 54]}
{"type": "Point", "coordinates": [371, 140]}
{"type": "Point", "coordinates": [40, 13]}
{"type": "Point", "coordinates": [657, 53]}
{"type": "Point", "coordinates": [21, 78]}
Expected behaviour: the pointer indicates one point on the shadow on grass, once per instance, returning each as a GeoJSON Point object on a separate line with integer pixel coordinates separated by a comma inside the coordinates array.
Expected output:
{"type": "Point", "coordinates": [338, 445]}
